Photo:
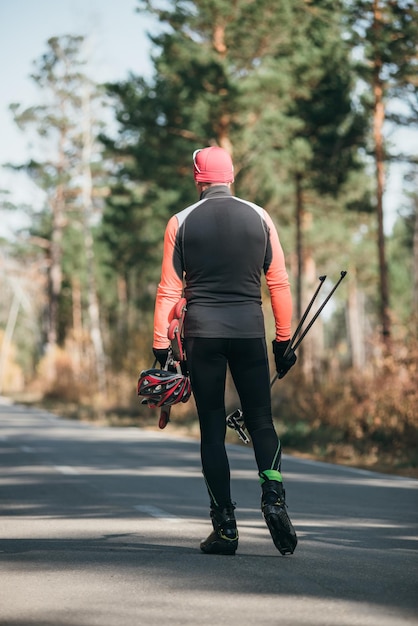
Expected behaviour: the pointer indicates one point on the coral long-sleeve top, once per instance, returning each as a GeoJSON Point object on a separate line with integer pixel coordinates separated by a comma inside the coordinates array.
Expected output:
{"type": "Point", "coordinates": [215, 252]}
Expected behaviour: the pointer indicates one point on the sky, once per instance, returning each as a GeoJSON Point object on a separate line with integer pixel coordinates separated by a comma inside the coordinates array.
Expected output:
{"type": "Point", "coordinates": [119, 45]}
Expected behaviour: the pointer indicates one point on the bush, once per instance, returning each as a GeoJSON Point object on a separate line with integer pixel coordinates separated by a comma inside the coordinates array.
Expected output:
{"type": "Point", "coordinates": [368, 419]}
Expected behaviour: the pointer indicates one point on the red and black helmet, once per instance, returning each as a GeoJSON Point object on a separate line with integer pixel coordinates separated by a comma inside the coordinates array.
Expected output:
{"type": "Point", "coordinates": [163, 388]}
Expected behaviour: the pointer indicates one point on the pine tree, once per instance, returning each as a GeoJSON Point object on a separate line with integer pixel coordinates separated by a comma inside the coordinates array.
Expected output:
{"type": "Point", "coordinates": [56, 74]}
{"type": "Point", "coordinates": [271, 83]}
{"type": "Point", "coordinates": [262, 101]}
{"type": "Point", "coordinates": [64, 170]}
{"type": "Point", "coordinates": [386, 33]}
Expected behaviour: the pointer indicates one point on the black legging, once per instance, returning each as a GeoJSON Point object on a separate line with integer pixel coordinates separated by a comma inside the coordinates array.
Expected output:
{"type": "Point", "coordinates": [248, 363]}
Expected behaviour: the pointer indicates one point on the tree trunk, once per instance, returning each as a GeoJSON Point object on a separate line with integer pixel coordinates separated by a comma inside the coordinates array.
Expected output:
{"type": "Point", "coordinates": [8, 336]}
{"type": "Point", "coordinates": [415, 262]}
{"type": "Point", "coordinates": [223, 122]}
{"type": "Point", "coordinates": [355, 314]}
{"type": "Point", "coordinates": [313, 343]}
{"type": "Point", "coordinates": [87, 195]}
{"type": "Point", "coordinates": [378, 120]}
{"type": "Point", "coordinates": [77, 327]}
{"type": "Point", "coordinates": [299, 245]}
{"type": "Point", "coordinates": [55, 270]}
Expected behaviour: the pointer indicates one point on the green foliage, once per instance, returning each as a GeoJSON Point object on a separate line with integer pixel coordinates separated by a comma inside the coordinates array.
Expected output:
{"type": "Point", "coordinates": [389, 30]}
{"type": "Point", "coordinates": [276, 84]}
{"type": "Point", "coordinates": [206, 89]}
{"type": "Point", "coordinates": [66, 167]}
{"type": "Point", "coordinates": [385, 36]}
{"type": "Point", "coordinates": [282, 104]}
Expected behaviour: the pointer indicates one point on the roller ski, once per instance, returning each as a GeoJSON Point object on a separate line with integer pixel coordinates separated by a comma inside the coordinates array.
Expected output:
{"type": "Point", "coordinates": [235, 420]}
{"type": "Point", "coordinates": [273, 507]}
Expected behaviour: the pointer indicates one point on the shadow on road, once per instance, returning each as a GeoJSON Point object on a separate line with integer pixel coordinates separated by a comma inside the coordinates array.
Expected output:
{"type": "Point", "coordinates": [357, 532]}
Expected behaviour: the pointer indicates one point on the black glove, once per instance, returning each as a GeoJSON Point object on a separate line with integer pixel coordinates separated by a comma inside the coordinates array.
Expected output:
{"type": "Point", "coordinates": [161, 354]}
{"type": "Point", "coordinates": [283, 363]}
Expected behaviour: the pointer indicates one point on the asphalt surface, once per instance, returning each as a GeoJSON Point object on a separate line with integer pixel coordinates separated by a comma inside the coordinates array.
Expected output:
{"type": "Point", "coordinates": [101, 526]}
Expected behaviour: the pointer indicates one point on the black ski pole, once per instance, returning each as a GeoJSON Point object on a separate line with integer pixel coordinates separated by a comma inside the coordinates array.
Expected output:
{"type": "Point", "coordinates": [305, 315]}
{"type": "Point", "coordinates": [315, 317]}
{"type": "Point", "coordinates": [299, 326]}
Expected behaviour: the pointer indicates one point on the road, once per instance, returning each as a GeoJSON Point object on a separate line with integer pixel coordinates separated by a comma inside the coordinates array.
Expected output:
{"type": "Point", "coordinates": [101, 526]}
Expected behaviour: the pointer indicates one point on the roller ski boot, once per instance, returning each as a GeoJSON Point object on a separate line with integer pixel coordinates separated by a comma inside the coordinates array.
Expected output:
{"type": "Point", "coordinates": [273, 507]}
{"type": "Point", "coordinates": [224, 537]}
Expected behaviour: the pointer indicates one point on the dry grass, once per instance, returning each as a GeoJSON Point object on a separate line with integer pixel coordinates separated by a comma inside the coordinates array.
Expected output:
{"type": "Point", "coordinates": [367, 419]}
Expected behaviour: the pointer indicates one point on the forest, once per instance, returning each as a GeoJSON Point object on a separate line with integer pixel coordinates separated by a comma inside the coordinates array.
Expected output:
{"type": "Point", "coordinates": [304, 95]}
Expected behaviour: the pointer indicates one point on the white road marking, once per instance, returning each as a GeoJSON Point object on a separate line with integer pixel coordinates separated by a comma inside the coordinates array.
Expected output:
{"type": "Point", "coordinates": [66, 469]}
{"type": "Point", "coordinates": [154, 511]}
